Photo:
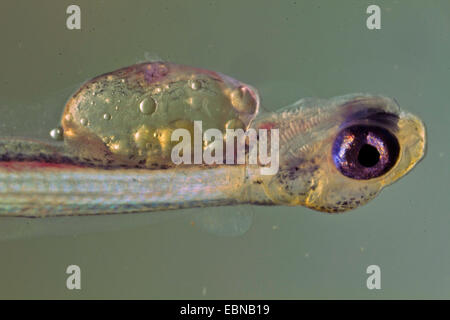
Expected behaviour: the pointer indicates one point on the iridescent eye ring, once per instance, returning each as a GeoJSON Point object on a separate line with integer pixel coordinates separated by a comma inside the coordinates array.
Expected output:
{"type": "Point", "coordinates": [364, 152]}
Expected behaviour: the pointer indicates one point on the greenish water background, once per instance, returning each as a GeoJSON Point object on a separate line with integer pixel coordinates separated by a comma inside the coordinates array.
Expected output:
{"type": "Point", "coordinates": [288, 50]}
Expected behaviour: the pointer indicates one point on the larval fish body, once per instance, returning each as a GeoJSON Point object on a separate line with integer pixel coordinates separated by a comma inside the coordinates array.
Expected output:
{"type": "Point", "coordinates": [334, 154]}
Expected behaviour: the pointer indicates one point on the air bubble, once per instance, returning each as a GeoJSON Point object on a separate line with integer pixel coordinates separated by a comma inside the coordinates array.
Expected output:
{"type": "Point", "coordinates": [147, 106]}
{"type": "Point", "coordinates": [195, 84]}
{"type": "Point", "coordinates": [57, 133]}
{"type": "Point", "coordinates": [107, 116]}
{"type": "Point", "coordinates": [83, 121]}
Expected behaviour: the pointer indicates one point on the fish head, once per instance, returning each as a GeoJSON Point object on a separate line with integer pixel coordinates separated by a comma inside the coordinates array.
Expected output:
{"type": "Point", "coordinates": [338, 154]}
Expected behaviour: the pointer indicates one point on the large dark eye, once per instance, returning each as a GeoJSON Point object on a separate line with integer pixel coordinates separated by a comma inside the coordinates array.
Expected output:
{"type": "Point", "coordinates": [365, 152]}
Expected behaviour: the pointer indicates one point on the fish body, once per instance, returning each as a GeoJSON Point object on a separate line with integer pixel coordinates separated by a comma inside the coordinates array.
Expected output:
{"type": "Point", "coordinates": [33, 189]}
{"type": "Point", "coordinates": [334, 154]}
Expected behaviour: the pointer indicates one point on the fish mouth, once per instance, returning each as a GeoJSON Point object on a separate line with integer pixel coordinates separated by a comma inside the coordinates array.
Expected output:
{"type": "Point", "coordinates": [412, 139]}
{"type": "Point", "coordinates": [417, 130]}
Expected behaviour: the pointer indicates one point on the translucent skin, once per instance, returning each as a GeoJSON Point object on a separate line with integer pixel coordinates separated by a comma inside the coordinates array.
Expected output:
{"type": "Point", "coordinates": [116, 152]}
{"type": "Point", "coordinates": [36, 189]}
{"type": "Point", "coordinates": [308, 129]}
{"type": "Point", "coordinates": [126, 117]}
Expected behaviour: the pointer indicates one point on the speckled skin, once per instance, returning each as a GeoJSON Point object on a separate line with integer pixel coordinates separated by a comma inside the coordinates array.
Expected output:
{"type": "Point", "coordinates": [116, 152]}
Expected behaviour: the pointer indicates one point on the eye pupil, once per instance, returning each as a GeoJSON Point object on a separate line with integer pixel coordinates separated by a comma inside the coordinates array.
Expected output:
{"type": "Point", "coordinates": [368, 156]}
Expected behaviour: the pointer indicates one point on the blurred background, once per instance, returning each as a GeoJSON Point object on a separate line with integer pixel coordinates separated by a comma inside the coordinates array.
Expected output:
{"type": "Point", "coordinates": [286, 49]}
